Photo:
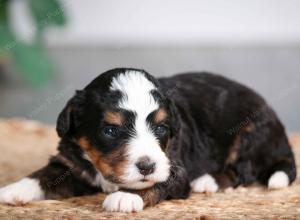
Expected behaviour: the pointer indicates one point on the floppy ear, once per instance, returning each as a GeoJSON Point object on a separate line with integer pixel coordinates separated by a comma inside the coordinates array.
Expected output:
{"type": "Point", "coordinates": [63, 124]}
{"type": "Point", "coordinates": [66, 120]}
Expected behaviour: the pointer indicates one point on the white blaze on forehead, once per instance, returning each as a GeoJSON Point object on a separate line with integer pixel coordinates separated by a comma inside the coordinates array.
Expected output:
{"type": "Point", "coordinates": [136, 89]}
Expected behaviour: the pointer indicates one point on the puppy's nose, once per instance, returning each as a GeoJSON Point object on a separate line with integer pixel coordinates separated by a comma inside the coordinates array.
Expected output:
{"type": "Point", "coordinates": [145, 166]}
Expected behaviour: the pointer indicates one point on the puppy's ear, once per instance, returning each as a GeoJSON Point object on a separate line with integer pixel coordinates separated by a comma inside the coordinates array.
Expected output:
{"type": "Point", "coordinates": [64, 120]}
{"type": "Point", "coordinates": [68, 118]}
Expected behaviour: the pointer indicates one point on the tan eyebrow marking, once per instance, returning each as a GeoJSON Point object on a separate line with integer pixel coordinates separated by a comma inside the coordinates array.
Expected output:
{"type": "Point", "coordinates": [115, 118]}
{"type": "Point", "coordinates": [160, 115]}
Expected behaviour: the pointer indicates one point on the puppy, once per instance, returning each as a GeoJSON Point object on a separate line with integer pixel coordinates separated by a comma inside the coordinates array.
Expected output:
{"type": "Point", "coordinates": [143, 140]}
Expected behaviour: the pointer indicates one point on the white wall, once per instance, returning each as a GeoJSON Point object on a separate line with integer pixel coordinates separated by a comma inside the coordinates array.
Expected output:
{"type": "Point", "coordinates": [120, 23]}
{"type": "Point", "coordinates": [256, 42]}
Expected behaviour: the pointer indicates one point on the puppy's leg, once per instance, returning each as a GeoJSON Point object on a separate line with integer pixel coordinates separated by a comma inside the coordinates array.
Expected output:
{"type": "Point", "coordinates": [21, 192]}
{"type": "Point", "coordinates": [126, 200]}
{"type": "Point", "coordinates": [51, 182]}
{"type": "Point", "coordinates": [260, 152]}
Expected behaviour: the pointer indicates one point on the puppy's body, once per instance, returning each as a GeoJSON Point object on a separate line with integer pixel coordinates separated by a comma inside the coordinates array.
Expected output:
{"type": "Point", "coordinates": [227, 130]}
{"type": "Point", "coordinates": [151, 140]}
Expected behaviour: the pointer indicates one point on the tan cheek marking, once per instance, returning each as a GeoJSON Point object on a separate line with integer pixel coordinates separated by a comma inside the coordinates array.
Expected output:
{"type": "Point", "coordinates": [114, 118]}
{"type": "Point", "coordinates": [160, 116]}
{"type": "Point", "coordinates": [95, 156]}
{"type": "Point", "coordinates": [113, 164]}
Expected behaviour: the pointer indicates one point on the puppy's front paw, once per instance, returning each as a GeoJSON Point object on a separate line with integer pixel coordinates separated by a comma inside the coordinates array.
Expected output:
{"type": "Point", "coordinates": [21, 192]}
{"type": "Point", "coordinates": [123, 202]}
{"type": "Point", "coordinates": [205, 183]}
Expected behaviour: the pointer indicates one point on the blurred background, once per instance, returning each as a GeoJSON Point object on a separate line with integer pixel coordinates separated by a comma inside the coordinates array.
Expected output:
{"type": "Point", "coordinates": [49, 48]}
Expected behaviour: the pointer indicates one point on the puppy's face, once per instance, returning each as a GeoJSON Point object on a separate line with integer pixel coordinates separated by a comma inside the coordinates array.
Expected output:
{"type": "Point", "coordinates": [123, 128]}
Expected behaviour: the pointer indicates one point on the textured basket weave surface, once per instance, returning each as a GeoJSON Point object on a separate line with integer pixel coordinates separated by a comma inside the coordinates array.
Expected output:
{"type": "Point", "coordinates": [25, 146]}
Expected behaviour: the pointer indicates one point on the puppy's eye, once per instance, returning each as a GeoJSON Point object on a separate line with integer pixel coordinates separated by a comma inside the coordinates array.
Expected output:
{"type": "Point", "coordinates": [111, 131]}
{"type": "Point", "coordinates": [161, 130]}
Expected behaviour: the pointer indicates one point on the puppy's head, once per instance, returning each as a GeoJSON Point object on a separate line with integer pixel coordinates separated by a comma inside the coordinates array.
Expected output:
{"type": "Point", "coordinates": [122, 123]}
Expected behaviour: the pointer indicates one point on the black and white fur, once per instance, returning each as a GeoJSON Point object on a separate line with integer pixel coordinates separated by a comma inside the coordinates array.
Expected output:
{"type": "Point", "coordinates": [193, 131]}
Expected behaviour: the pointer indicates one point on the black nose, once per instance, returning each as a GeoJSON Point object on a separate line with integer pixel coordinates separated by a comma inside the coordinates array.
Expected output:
{"type": "Point", "coordinates": [145, 166]}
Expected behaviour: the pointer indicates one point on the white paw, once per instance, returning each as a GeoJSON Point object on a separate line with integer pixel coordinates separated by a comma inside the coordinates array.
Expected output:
{"type": "Point", "coordinates": [278, 180]}
{"type": "Point", "coordinates": [123, 202]}
{"type": "Point", "coordinates": [205, 183]}
{"type": "Point", "coordinates": [21, 192]}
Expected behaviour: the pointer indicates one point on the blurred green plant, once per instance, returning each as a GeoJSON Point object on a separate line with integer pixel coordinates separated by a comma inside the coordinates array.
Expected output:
{"type": "Point", "coordinates": [31, 58]}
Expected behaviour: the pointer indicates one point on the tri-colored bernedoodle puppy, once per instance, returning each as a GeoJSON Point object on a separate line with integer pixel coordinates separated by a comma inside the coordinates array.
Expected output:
{"type": "Point", "coordinates": [143, 140]}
